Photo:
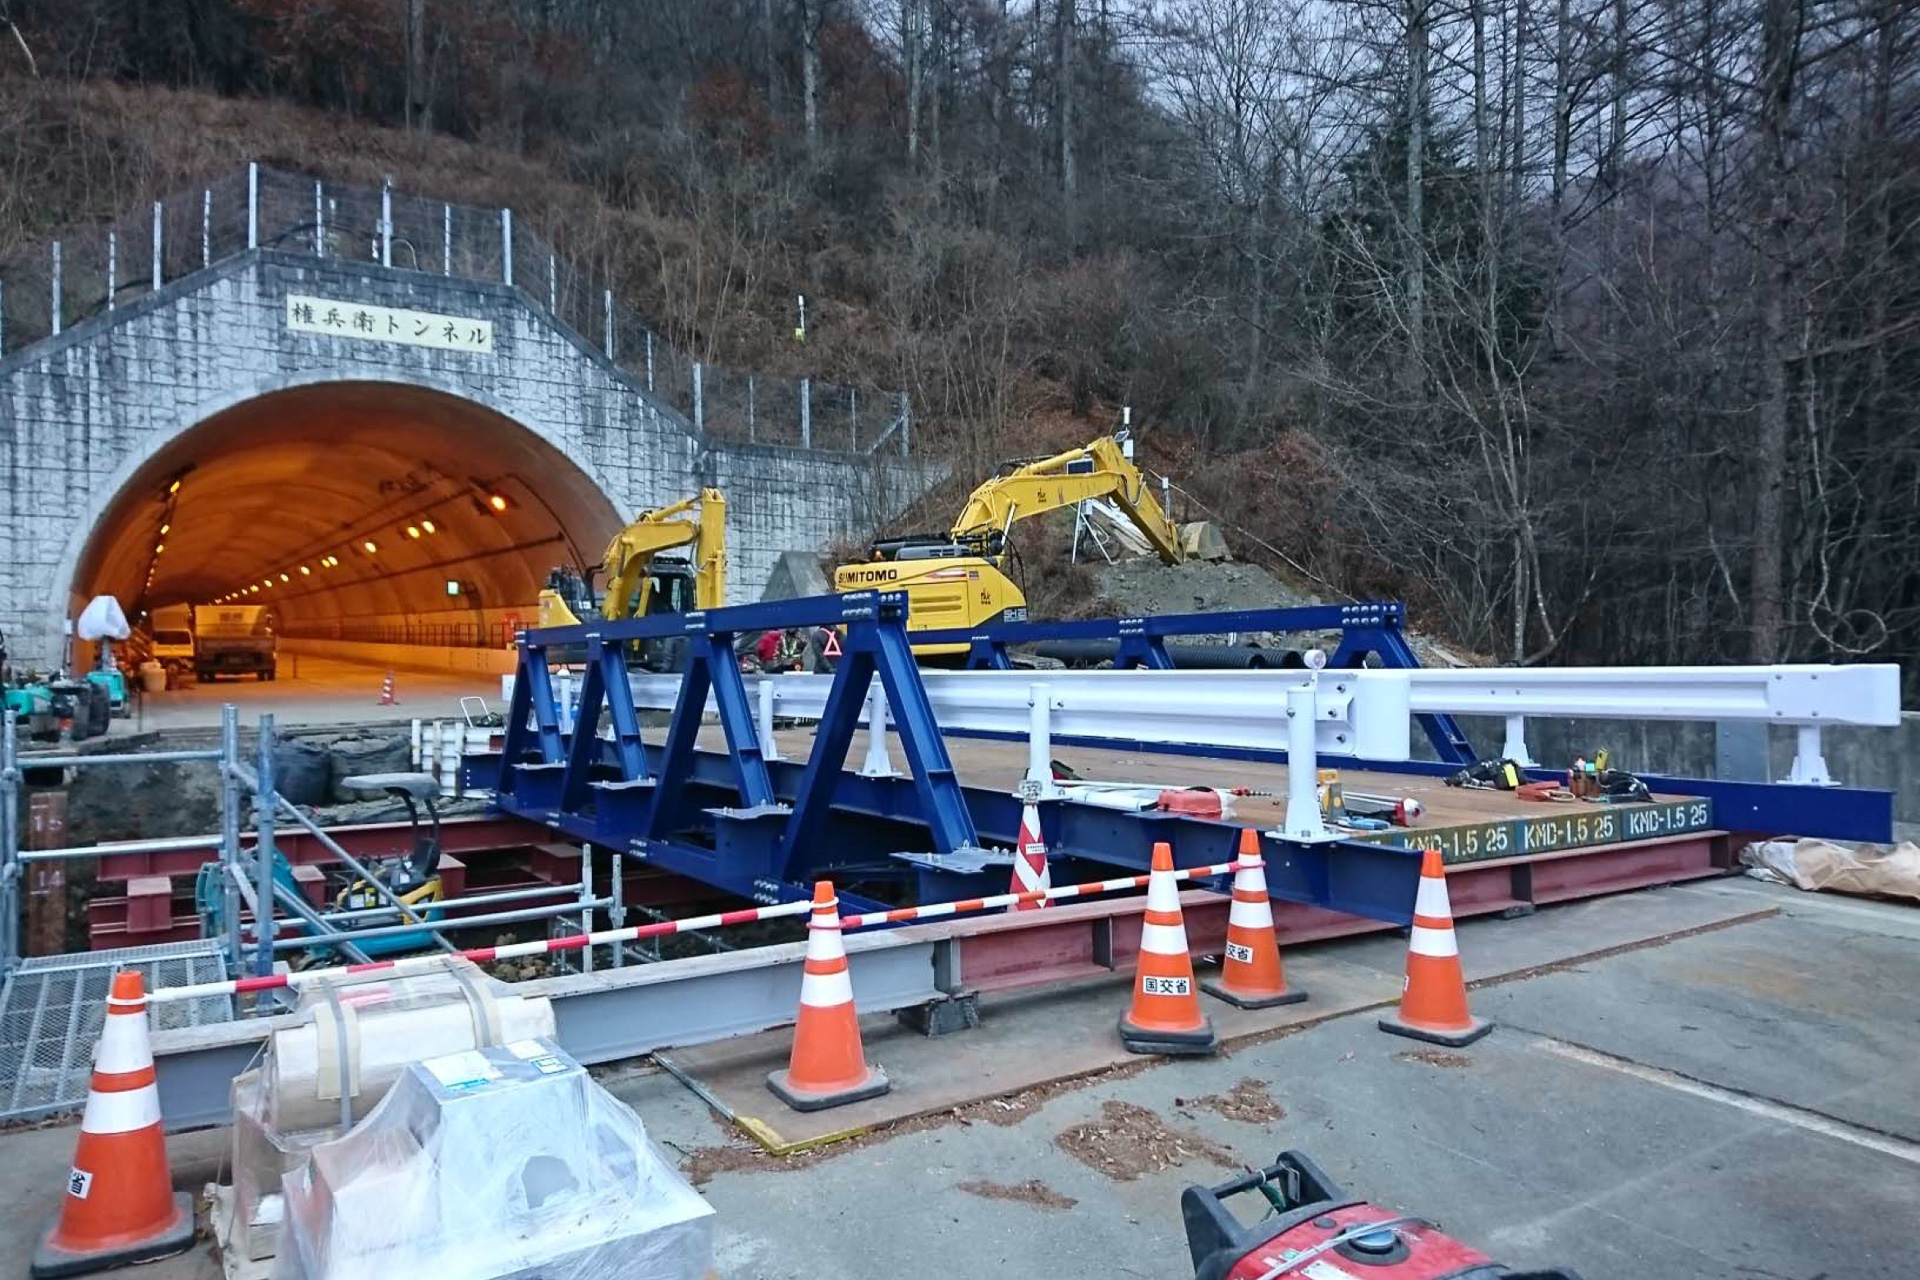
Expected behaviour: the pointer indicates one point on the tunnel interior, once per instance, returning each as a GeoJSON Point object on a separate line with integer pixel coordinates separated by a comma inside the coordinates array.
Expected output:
{"type": "Point", "coordinates": [351, 511]}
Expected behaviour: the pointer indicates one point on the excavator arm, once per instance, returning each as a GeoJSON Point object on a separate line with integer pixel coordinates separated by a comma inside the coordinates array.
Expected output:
{"type": "Point", "coordinates": [632, 550]}
{"type": "Point", "coordinates": [1096, 470]}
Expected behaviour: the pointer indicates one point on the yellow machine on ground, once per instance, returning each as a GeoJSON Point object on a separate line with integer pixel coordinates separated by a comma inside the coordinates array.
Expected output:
{"type": "Point", "coordinates": [640, 581]}
{"type": "Point", "coordinates": [960, 580]}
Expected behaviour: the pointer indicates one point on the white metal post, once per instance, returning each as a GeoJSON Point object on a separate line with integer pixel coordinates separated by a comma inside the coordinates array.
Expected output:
{"type": "Point", "coordinates": [1303, 770]}
{"type": "Point", "coordinates": [446, 239]}
{"type": "Point", "coordinates": [319, 222]}
{"type": "Point", "coordinates": [806, 413]}
{"type": "Point", "coordinates": [699, 406]}
{"type": "Point", "coordinates": [1515, 747]}
{"type": "Point", "coordinates": [769, 745]}
{"type": "Point", "coordinates": [386, 220]}
{"type": "Point", "coordinates": [1040, 783]}
{"type": "Point", "coordinates": [906, 425]}
{"type": "Point", "coordinates": [586, 904]}
{"type": "Point", "coordinates": [3, 317]}
{"type": "Point", "coordinates": [206, 226]}
{"type": "Point", "coordinates": [606, 322]}
{"type": "Point", "coordinates": [57, 302]}
{"type": "Point", "coordinates": [158, 220]}
{"type": "Point", "coordinates": [649, 360]}
{"type": "Point", "coordinates": [113, 266]}
{"type": "Point", "coordinates": [506, 245]}
{"type": "Point", "coordinates": [878, 764]}
{"type": "Point", "coordinates": [1809, 765]}
{"type": "Point", "coordinates": [553, 285]}
{"type": "Point", "coordinates": [253, 204]}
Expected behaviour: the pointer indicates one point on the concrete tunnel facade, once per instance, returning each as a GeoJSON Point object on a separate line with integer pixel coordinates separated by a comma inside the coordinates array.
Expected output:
{"type": "Point", "coordinates": [291, 445]}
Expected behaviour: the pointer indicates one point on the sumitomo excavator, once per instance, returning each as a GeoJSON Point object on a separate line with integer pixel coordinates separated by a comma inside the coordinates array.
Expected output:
{"type": "Point", "coordinates": [960, 579]}
{"type": "Point", "coordinates": [641, 581]}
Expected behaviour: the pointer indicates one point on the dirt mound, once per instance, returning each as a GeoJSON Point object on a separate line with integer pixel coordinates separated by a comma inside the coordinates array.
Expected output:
{"type": "Point", "coordinates": [1247, 1102]}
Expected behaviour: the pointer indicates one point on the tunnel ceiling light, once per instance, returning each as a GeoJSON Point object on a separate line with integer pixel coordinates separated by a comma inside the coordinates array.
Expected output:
{"type": "Point", "coordinates": [174, 487]}
{"type": "Point", "coordinates": [370, 546]}
{"type": "Point", "coordinates": [413, 531]}
{"type": "Point", "coordinates": [305, 572]}
{"type": "Point", "coordinates": [429, 526]}
{"type": "Point", "coordinates": [285, 578]}
{"type": "Point", "coordinates": [165, 529]}
{"type": "Point", "coordinates": [498, 501]}
{"type": "Point", "coordinates": [158, 547]}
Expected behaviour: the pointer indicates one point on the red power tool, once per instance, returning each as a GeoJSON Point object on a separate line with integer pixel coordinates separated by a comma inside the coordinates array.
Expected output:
{"type": "Point", "coordinates": [1319, 1232]}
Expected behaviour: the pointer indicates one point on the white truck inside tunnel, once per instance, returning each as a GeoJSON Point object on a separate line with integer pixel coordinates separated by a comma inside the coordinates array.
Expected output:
{"type": "Point", "coordinates": [355, 511]}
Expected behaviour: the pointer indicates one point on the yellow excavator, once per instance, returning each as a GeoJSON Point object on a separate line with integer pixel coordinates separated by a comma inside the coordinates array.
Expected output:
{"type": "Point", "coordinates": [960, 580]}
{"type": "Point", "coordinates": [642, 582]}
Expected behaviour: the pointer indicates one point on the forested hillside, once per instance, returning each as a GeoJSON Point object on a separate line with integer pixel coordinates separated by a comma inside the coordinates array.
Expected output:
{"type": "Point", "coordinates": [1590, 326]}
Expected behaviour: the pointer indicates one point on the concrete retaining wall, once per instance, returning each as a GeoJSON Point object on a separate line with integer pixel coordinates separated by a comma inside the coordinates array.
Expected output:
{"type": "Point", "coordinates": [481, 663]}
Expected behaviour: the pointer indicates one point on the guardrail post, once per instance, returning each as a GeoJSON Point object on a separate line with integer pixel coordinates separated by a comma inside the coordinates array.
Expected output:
{"type": "Point", "coordinates": [159, 220]}
{"type": "Point", "coordinates": [263, 814]}
{"type": "Point", "coordinates": [1809, 765]}
{"type": "Point", "coordinates": [113, 266]}
{"type": "Point", "coordinates": [806, 413]}
{"type": "Point", "coordinates": [253, 204]}
{"type": "Point", "coordinates": [506, 245]}
{"type": "Point", "coordinates": [9, 845]}
{"type": "Point", "coordinates": [877, 764]}
{"type": "Point", "coordinates": [58, 305]}
{"type": "Point", "coordinates": [1040, 783]}
{"type": "Point", "coordinates": [769, 748]}
{"type": "Point", "coordinates": [1303, 774]}
{"type": "Point", "coordinates": [1515, 747]}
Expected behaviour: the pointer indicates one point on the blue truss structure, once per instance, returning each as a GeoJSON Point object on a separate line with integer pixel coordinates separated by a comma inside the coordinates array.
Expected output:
{"type": "Point", "coordinates": [765, 830]}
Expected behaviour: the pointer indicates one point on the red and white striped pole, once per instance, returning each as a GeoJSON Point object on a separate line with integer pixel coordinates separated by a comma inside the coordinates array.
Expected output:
{"type": "Point", "coordinates": [575, 942]}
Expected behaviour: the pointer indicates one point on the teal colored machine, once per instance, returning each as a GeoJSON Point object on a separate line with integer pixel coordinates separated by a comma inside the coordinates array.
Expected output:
{"type": "Point", "coordinates": [412, 877]}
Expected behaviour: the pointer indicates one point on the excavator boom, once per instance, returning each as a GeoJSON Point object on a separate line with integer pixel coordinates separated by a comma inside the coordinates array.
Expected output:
{"type": "Point", "coordinates": [699, 522]}
{"type": "Point", "coordinates": [1096, 470]}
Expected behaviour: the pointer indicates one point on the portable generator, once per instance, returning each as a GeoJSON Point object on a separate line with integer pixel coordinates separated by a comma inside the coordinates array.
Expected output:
{"type": "Point", "coordinates": [1319, 1232]}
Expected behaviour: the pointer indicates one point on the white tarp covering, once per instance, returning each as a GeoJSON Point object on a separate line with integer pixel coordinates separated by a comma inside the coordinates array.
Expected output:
{"type": "Point", "coordinates": [102, 619]}
{"type": "Point", "coordinates": [502, 1163]}
{"type": "Point", "coordinates": [1877, 870]}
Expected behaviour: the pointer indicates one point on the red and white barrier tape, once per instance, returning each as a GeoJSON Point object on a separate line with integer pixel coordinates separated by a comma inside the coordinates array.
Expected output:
{"type": "Point", "coordinates": [579, 941]}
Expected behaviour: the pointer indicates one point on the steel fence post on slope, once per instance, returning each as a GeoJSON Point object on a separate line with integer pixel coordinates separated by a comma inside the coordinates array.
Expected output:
{"type": "Point", "coordinates": [3, 317]}
{"type": "Point", "coordinates": [386, 219]}
{"type": "Point", "coordinates": [319, 222]}
{"type": "Point", "coordinates": [806, 413]}
{"type": "Point", "coordinates": [446, 239]}
{"type": "Point", "coordinates": [159, 218]}
{"type": "Point", "coordinates": [649, 360]}
{"type": "Point", "coordinates": [699, 407]}
{"type": "Point", "coordinates": [113, 266]}
{"type": "Point", "coordinates": [506, 246]}
{"type": "Point", "coordinates": [606, 322]}
{"type": "Point", "coordinates": [206, 227]}
{"type": "Point", "coordinates": [906, 426]}
{"type": "Point", "coordinates": [57, 306]}
{"type": "Point", "coordinates": [253, 204]}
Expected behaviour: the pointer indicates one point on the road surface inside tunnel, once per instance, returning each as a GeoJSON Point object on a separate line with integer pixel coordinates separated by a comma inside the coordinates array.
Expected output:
{"type": "Point", "coordinates": [313, 690]}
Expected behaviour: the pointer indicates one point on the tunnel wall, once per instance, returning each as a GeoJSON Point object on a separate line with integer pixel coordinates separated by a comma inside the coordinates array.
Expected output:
{"type": "Point", "coordinates": [80, 412]}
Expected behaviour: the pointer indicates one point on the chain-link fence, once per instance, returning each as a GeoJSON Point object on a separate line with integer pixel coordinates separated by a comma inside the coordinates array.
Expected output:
{"type": "Point", "coordinates": [43, 292]}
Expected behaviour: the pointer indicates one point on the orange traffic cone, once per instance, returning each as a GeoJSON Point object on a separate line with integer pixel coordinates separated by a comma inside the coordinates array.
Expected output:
{"type": "Point", "coordinates": [828, 1066]}
{"type": "Point", "coordinates": [387, 698]}
{"type": "Point", "coordinates": [1433, 1004]}
{"type": "Point", "coordinates": [1030, 874]}
{"type": "Point", "coordinates": [120, 1207]}
{"type": "Point", "coordinates": [1251, 976]}
{"type": "Point", "coordinates": [1165, 1015]}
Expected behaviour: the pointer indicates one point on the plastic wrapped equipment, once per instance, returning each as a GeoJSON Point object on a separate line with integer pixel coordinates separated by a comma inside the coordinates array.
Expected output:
{"type": "Point", "coordinates": [503, 1163]}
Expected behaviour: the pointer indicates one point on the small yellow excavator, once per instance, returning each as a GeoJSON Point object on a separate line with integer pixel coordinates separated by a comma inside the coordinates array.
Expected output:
{"type": "Point", "coordinates": [960, 580]}
{"type": "Point", "coordinates": [642, 582]}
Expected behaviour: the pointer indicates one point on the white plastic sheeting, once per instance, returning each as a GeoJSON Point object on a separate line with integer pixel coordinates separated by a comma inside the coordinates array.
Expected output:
{"type": "Point", "coordinates": [1875, 870]}
{"type": "Point", "coordinates": [102, 619]}
{"type": "Point", "coordinates": [504, 1163]}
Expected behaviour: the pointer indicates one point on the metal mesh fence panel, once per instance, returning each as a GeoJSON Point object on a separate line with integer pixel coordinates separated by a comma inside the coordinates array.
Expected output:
{"type": "Point", "coordinates": [52, 1009]}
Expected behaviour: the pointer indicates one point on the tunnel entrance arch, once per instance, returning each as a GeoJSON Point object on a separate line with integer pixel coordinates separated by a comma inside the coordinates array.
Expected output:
{"type": "Point", "coordinates": [354, 510]}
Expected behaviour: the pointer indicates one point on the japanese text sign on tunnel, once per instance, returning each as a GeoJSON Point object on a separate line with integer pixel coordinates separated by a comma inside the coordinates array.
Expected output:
{"type": "Point", "coordinates": [388, 324]}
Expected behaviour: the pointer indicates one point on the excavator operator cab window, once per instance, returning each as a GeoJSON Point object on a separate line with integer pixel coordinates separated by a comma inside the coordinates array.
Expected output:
{"type": "Point", "coordinates": [672, 593]}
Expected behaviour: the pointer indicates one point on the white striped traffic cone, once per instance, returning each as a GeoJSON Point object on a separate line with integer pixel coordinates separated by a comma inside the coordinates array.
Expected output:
{"type": "Point", "coordinates": [828, 1066]}
{"type": "Point", "coordinates": [1164, 1015]}
{"type": "Point", "coordinates": [120, 1207]}
{"type": "Point", "coordinates": [1030, 874]}
{"type": "Point", "coordinates": [1251, 976]}
{"type": "Point", "coordinates": [1433, 1002]}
